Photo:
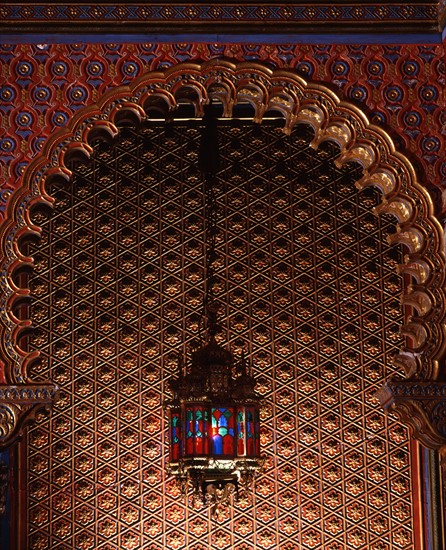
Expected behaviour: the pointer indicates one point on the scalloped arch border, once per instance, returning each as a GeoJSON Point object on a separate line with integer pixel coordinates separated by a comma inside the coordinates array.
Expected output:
{"type": "Point", "coordinates": [298, 101]}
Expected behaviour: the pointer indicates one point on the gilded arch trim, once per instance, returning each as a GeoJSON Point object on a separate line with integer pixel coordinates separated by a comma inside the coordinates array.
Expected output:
{"type": "Point", "coordinates": [299, 102]}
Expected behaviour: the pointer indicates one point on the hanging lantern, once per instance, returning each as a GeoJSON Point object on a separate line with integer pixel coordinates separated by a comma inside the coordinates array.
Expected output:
{"type": "Point", "coordinates": [214, 412]}
{"type": "Point", "coordinates": [214, 424]}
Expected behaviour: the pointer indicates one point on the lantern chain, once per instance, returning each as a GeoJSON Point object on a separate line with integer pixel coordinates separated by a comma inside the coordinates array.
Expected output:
{"type": "Point", "coordinates": [209, 165]}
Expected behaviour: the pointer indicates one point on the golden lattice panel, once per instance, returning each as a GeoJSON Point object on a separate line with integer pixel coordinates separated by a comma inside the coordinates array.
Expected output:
{"type": "Point", "coordinates": [309, 288]}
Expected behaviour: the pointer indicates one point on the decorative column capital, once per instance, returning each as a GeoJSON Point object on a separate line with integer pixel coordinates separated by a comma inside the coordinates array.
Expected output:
{"type": "Point", "coordinates": [18, 407]}
{"type": "Point", "coordinates": [422, 406]}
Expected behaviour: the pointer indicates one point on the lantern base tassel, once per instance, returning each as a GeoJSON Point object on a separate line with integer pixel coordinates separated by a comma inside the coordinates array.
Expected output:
{"type": "Point", "coordinates": [215, 483]}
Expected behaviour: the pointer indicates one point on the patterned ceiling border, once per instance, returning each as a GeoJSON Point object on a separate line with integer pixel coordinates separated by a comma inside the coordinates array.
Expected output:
{"type": "Point", "coordinates": [159, 93]}
{"type": "Point", "coordinates": [397, 17]}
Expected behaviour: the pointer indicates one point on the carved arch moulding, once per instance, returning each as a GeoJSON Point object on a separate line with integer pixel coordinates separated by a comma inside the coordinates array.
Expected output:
{"type": "Point", "coordinates": [419, 398]}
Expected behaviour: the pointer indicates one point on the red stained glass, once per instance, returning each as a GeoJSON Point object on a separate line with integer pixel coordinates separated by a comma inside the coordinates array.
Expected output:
{"type": "Point", "coordinates": [228, 445]}
{"type": "Point", "coordinates": [196, 431]}
{"type": "Point", "coordinates": [175, 436]}
{"type": "Point", "coordinates": [189, 432]}
{"type": "Point", "coordinates": [241, 434]}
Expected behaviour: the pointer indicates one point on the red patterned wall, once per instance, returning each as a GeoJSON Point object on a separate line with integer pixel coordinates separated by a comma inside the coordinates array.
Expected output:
{"type": "Point", "coordinates": [400, 86]}
{"type": "Point", "coordinates": [42, 86]}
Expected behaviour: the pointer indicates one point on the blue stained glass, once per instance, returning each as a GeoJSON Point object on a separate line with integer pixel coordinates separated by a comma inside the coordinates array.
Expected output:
{"type": "Point", "coordinates": [223, 421]}
{"type": "Point", "coordinates": [217, 441]}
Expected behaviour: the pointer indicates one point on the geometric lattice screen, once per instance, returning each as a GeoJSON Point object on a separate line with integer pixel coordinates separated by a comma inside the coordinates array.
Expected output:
{"type": "Point", "coordinates": [308, 289]}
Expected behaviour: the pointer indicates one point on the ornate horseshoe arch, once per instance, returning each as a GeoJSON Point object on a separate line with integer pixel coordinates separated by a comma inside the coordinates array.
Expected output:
{"type": "Point", "coordinates": [418, 399]}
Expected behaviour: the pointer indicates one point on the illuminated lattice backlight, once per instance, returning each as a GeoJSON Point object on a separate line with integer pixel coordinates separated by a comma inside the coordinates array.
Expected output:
{"type": "Point", "coordinates": [310, 293]}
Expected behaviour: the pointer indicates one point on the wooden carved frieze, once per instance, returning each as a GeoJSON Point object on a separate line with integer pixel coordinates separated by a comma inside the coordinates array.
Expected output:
{"type": "Point", "coordinates": [157, 95]}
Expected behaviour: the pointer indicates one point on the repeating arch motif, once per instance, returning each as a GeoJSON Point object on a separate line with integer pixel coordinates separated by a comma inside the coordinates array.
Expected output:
{"type": "Point", "coordinates": [158, 94]}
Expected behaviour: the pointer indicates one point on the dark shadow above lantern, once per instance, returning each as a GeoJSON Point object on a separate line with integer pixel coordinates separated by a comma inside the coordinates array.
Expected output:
{"type": "Point", "coordinates": [214, 424]}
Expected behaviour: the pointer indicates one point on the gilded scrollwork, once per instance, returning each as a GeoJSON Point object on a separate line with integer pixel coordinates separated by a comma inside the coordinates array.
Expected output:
{"type": "Point", "coordinates": [19, 405]}
{"type": "Point", "coordinates": [8, 419]}
{"type": "Point", "coordinates": [159, 94]}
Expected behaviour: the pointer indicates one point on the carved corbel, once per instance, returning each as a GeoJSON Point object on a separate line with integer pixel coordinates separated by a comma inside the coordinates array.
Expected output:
{"type": "Point", "coordinates": [421, 406]}
{"type": "Point", "coordinates": [417, 334]}
{"type": "Point", "coordinates": [287, 105]}
{"type": "Point", "coordinates": [407, 362]}
{"type": "Point", "coordinates": [399, 208]}
{"type": "Point", "coordinates": [315, 117]}
{"type": "Point", "coordinates": [340, 133]}
{"type": "Point", "coordinates": [19, 405]}
{"type": "Point", "coordinates": [224, 91]}
{"type": "Point", "coordinates": [257, 96]}
{"type": "Point", "coordinates": [382, 179]}
{"type": "Point", "coordinates": [360, 153]}
{"type": "Point", "coordinates": [418, 299]}
{"type": "Point", "coordinates": [159, 101]}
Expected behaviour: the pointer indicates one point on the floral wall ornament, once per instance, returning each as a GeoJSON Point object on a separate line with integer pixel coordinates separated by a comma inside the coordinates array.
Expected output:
{"type": "Point", "coordinates": [7, 420]}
